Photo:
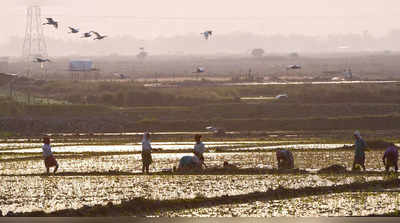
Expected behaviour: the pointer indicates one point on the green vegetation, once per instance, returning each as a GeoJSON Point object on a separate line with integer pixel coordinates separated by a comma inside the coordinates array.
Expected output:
{"type": "Point", "coordinates": [129, 106]}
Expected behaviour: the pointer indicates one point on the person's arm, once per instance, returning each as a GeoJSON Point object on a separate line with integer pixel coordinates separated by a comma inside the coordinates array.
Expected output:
{"type": "Point", "coordinates": [384, 157]}
{"type": "Point", "coordinates": [365, 146]}
{"type": "Point", "coordinates": [45, 152]}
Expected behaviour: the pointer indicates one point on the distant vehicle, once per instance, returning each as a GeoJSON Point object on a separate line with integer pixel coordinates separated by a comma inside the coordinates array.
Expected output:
{"type": "Point", "coordinates": [8, 75]}
{"type": "Point", "coordinates": [199, 70]}
{"type": "Point", "coordinates": [51, 21]}
{"type": "Point", "coordinates": [343, 47]}
{"type": "Point", "coordinates": [293, 67]}
{"type": "Point", "coordinates": [73, 30]}
{"type": "Point", "coordinates": [215, 130]}
{"type": "Point", "coordinates": [336, 79]}
{"type": "Point", "coordinates": [281, 96]}
{"type": "Point", "coordinates": [258, 52]}
{"type": "Point", "coordinates": [41, 60]}
{"type": "Point", "coordinates": [121, 76]}
{"type": "Point", "coordinates": [207, 34]}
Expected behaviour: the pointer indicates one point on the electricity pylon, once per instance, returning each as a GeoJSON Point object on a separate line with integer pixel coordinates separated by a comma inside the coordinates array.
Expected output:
{"type": "Point", "coordinates": [34, 42]}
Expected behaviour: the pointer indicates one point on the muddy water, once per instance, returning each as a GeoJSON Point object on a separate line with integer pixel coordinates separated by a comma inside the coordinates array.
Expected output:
{"type": "Point", "coordinates": [134, 147]}
{"type": "Point", "coordinates": [22, 194]}
{"type": "Point", "coordinates": [313, 82]}
{"type": "Point", "coordinates": [344, 204]}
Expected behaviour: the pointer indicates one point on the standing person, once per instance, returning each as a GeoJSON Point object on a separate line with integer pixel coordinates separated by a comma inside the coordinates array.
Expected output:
{"type": "Point", "coordinates": [359, 152]}
{"type": "Point", "coordinates": [49, 160]}
{"type": "Point", "coordinates": [199, 149]}
{"type": "Point", "coordinates": [285, 159]}
{"type": "Point", "coordinates": [391, 157]}
{"type": "Point", "coordinates": [146, 152]}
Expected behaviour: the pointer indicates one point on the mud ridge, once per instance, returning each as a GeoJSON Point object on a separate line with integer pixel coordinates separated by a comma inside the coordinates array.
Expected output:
{"type": "Point", "coordinates": [143, 207]}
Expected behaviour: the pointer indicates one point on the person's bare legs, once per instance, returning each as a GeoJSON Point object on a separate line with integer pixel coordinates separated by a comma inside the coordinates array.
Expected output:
{"type": "Point", "coordinates": [47, 170]}
{"type": "Point", "coordinates": [354, 166]}
{"type": "Point", "coordinates": [56, 168]}
{"type": "Point", "coordinates": [143, 168]}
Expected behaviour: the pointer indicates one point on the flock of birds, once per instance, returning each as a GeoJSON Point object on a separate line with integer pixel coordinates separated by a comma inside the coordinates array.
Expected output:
{"type": "Point", "coordinates": [50, 21]}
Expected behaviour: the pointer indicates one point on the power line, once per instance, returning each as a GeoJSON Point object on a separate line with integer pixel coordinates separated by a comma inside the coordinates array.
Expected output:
{"type": "Point", "coordinates": [193, 18]}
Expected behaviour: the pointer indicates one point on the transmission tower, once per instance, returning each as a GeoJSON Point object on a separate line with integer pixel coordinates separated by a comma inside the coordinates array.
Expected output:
{"type": "Point", "coordinates": [34, 42]}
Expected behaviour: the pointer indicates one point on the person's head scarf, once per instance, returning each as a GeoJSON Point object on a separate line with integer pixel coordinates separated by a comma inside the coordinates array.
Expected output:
{"type": "Point", "coordinates": [357, 133]}
{"type": "Point", "coordinates": [146, 137]}
{"type": "Point", "coordinates": [46, 140]}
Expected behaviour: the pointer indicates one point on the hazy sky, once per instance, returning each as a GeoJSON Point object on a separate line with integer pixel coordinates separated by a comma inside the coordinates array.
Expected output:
{"type": "Point", "coordinates": [151, 18]}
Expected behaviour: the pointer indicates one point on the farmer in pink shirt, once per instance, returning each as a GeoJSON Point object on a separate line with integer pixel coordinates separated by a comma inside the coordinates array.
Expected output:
{"type": "Point", "coordinates": [49, 160]}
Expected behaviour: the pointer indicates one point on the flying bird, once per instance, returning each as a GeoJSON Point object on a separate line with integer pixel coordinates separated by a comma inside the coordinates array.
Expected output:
{"type": "Point", "coordinates": [41, 60]}
{"type": "Point", "coordinates": [294, 67]}
{"type": "Point", "coordinates": [98, 36]}
{"type": "Point", "coordinates": [206, 34]}
{"type": "Point", "coordinates": [51, 21]}
{"type": "Point", "coordinates": [87, 35]}
{"type": "Point", "coordinates": [73, 30]}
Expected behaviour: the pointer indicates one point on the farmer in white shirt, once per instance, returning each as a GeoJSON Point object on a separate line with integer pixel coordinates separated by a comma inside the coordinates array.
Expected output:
{"type": "Point", "coordinates": [49, 160]}
{"type": "Point", "coordinates": [199, 149]}
{"type": "Point", "coordinates": [146, 152]}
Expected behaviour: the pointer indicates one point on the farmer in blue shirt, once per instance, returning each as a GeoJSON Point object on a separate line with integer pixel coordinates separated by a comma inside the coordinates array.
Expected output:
{"type": "Point", "coordinates": [189, 163]}
{"type": "Point", "coordinates": [359, 152]}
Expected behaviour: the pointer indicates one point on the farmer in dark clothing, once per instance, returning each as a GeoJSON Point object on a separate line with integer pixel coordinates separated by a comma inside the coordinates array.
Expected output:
{"type": "Point", "coordinates": [391, 157]}
{"type": "Point", "coordinates": [146, 152]}
{"type": "Point", "coordinates": [285, 159]}
{"type": "Point", "coordinates": [359, 152]}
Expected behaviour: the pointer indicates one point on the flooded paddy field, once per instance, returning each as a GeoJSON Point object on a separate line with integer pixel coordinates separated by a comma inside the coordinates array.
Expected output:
{"type": "Point", "coordinates": [25, 188]}
{"type": "Point", "coordinates": [51, 193]}
{"type": "Point", "coordinates": [343, 204]}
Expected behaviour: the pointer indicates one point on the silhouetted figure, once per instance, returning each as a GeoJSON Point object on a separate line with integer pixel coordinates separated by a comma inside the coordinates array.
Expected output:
{"type": "Point", "coordinates": [359, 152]}
{"type": "Point", "coordinates": [199, 149]}
{"type": "Point", "coordinates": [391, 157]}
{"type": "Point", "coordinates": [189, 163]}
{"type": "Point", "coordinates": [285, 159]}
{"type": "Point", "coordinates": [146, 152]}
{"type": "Point", "coordinates": [49, 160]}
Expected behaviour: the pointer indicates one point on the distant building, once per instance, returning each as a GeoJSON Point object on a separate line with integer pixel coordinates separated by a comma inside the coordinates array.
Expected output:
{"type": "Point", "coordinates": [82, 69]}
{"type": "Point", "coordinates": [3, 64]}
{"type": "Point", "coordinates": [80, 65]}
{"type": "Point", "coordinates": [348, 74]}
